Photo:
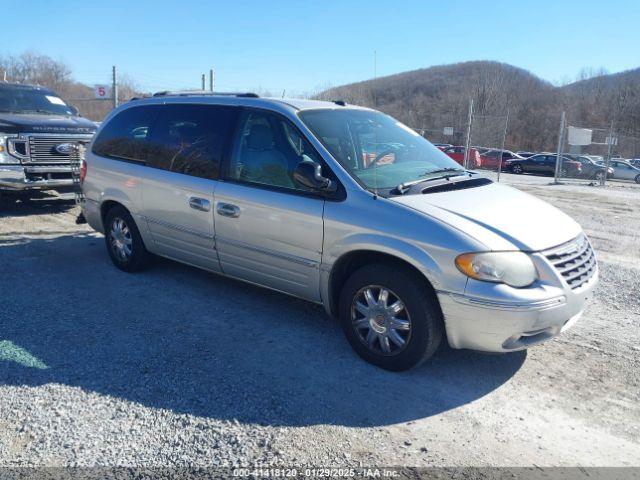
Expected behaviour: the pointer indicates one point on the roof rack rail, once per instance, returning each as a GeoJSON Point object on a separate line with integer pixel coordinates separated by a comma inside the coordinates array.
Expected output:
{"type": "Point", "coordinates": [187, 93]}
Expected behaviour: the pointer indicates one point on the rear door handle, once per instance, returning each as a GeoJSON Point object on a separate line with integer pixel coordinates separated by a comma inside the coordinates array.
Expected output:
{"type": "Point", "coordinates": [228, 210]}
{"type": "Point", "coordinates": [201, 204]}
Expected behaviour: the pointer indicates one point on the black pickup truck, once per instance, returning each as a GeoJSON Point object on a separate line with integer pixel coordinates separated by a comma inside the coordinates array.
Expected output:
{"type": "Point", "coordinates": [38, 133]}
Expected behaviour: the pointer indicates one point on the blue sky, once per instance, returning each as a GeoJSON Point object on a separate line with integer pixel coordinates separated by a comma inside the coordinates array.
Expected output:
{"type": "Point", "coordinates": [302, 45]}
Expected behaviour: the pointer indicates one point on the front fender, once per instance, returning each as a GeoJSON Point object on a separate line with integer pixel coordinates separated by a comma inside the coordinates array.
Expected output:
{"type": "Point", "coordinates": [409, 252]}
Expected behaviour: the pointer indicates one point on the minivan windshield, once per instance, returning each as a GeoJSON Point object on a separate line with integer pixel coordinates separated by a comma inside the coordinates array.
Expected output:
{"type": "Point", "coordinates": [32, 100]}
{"type": "Point", "coordinates": [376, 149]}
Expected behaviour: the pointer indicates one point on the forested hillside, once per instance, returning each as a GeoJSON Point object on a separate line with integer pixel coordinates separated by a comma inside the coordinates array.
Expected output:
{"type": "Point", "coordinates": [435, 97]}
{"type": "Point", "coordinates": [431, 99]}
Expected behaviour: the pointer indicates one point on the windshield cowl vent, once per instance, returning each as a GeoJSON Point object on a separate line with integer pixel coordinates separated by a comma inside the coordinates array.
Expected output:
{"type": "Point", "coordinates": [456, 185]}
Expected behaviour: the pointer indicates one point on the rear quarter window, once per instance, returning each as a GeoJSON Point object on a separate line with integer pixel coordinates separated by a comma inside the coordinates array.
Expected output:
{"type": "Point", "coordinates": [125, 135]}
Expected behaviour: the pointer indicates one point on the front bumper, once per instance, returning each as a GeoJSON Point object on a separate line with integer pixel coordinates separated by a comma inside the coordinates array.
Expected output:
{"type": "Point", "coordinates": [36, 177]}
{"type": "Point", "coordinates": [505, 322]}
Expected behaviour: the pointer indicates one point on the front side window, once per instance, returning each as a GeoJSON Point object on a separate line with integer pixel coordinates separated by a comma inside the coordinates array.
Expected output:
{"type": "Point", "coordinates": [268, 150]}
{"type": "Point", "coordinates": [376, 149]}
{"type": "Point", "coordinates": [125, 135]}
{"type": "Point", "coordinates": [190, 139]}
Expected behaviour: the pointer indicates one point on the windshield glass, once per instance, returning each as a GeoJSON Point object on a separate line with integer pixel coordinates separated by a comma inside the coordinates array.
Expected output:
{"type": "Point", "coordinates": [376, 149]}
{"type": "Point", "coordinates": [26, 100]}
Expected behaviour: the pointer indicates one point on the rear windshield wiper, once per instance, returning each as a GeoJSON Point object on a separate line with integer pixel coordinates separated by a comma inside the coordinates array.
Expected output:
{"type": "Point", "coordinates": [404, 187]}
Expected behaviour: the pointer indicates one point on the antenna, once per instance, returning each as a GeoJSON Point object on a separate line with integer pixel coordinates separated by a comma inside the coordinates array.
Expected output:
{"type": "Point", "coordinates": [375, 64]}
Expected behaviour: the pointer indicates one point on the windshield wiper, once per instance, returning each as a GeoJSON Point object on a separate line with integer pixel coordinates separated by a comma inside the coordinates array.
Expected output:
{"type": "Point", "coordinates": [43, 112]}
{"type": "Point", "coordinates": [404, 187]}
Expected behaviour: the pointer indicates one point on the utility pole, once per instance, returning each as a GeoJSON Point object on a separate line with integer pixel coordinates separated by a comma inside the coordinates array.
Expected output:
{"type": "Point", "coordinates": [375, 64]}
{"type": "Point", "coordinates": [504, 137]}
{"type": "Point", "coordinates": [202, 83]}
{"type": "Point", "coordinates": [114, 86]}
{"type": "Point", "coordinates": [560, 146]}
{"type": "Point", "coordinates": [211, 80]}
{"type": "Point", "coordinates": [465, 162]}
{"type": "Point", "coordinates": [375, 76]}
{"type": "Point", "coordinates": [609, 153]}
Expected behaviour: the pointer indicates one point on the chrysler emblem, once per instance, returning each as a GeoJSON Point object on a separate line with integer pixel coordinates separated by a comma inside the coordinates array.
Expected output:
{"type": "Point", "coordinates": [65, 148]}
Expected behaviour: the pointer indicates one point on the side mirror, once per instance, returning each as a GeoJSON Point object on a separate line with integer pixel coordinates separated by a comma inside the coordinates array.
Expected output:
{"type": "Point", "coordinates": [309, 174]}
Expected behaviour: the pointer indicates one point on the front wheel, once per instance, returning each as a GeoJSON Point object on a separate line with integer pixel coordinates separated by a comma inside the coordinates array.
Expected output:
{"type": "Point", "coordinates": [637, 178]}
{"type": "Point", "coordinates": [599, 176]}
{"type": "Point", "coordinates": [517, 168]}
{"type": "Point", "coordinates": [390, 317]}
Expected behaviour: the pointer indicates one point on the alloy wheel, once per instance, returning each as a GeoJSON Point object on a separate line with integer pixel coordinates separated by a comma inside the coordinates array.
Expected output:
{"type": "Point", "coordinates": [381, 320]}
{"type": "Point", "coordinates": [120, 239]}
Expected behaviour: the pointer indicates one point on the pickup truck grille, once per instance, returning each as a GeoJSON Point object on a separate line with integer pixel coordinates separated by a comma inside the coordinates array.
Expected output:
{"type": "Point", "coordinates": [575, 261]}
{"type": "Point", "coordinates": [42, 148]}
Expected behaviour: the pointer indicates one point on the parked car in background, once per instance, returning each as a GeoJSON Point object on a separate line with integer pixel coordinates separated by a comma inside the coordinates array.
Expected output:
{"type": "Point", "coordinates": [406, 253]}
{"type": "Point", "coordinates": [457, 153]}
{"type": "Point", "coordinates": [38, 132]}
{"type": "Point", "coordinates": [525, 154]}
{"type": "Point", "coordinates": [443, 145]}
{"type": "Point", "coordinates": [545, 165]}
{"type": "Point", "coordinates": [591, 169]}
{"type": "Point", "coordinates": [624, 170]}
{"type": "Point", "coordinates": [492, 159]}
{"type": "Point", "coordinates": [635, 162]}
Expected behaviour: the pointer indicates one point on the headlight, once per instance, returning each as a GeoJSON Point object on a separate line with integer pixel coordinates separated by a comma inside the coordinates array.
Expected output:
{"type": "Point", "coordinates": [513, 268]}
{"type": "Point", "coordinates": [5, 158]}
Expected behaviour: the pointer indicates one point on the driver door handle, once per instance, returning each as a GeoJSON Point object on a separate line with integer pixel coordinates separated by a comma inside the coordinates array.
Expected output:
{"type": "Point", "coordinates": [228, 210]}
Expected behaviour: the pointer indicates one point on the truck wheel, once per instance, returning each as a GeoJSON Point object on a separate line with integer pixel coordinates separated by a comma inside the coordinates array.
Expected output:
{"type": "Point", "coordinates": [390, 317]}
{"type": "Point", "coordinates": [123, 241]}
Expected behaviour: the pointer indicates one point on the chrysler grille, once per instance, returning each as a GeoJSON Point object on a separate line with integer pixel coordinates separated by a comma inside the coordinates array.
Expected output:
{"type": "Point", "coordinates": [575, 261]}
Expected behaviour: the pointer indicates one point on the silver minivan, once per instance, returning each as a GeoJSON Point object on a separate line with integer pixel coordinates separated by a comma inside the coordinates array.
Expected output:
{"type": "Point", "coordinates": [339, 205]}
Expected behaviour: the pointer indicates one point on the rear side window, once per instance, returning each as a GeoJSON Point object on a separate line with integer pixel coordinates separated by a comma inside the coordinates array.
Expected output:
{"type": "Point", "coordinates": [125, 135]}
{"type": "Point", "coordinates": [191, 139]}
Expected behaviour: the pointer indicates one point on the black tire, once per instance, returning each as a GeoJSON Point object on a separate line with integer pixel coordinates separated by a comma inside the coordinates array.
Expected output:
{"type": "Point", "coordinates": [139, 257]}
{"type": "Point", "coordinates": [599, 176]}
{"type": "Point", "coordinates": [517, 168]}
{"type": "Point", "coordinates": [422, 311]}
{"type": "Point", "coordinates": [637, 178]}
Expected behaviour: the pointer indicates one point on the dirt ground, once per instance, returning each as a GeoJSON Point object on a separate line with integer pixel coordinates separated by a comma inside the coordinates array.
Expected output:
{"type": "Point", "coordinates": [175, 366]}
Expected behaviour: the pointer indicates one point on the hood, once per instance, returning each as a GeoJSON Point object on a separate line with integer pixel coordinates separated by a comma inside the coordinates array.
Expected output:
{"type": "Point", "coordinates": [40, 123]}
{"type": "Point", "coordinates": [500, 217]}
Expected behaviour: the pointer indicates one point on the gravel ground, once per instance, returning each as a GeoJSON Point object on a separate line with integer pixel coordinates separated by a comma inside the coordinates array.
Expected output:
{"type": "Point", "coordinates": [179, 367]}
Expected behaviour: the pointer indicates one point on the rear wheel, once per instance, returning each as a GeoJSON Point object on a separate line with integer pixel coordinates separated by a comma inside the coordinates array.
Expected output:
{"type": "Point", "coordinates": [123, 241]}
{"type": "Point", "coordinates": [390, 317]}
{"type": "Point", "coordinates": [517, 168]}
{"type": "Point", "coordinates": [637, 178]}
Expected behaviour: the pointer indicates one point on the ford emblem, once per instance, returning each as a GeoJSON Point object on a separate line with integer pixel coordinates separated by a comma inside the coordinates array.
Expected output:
{"type": "Point", "coordinates": [65, 148]}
